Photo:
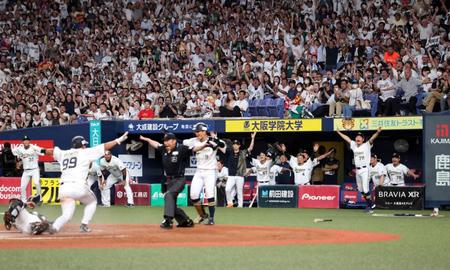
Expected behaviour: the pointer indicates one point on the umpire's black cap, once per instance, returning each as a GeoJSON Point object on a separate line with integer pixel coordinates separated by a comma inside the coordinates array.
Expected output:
{"type": "Point", "coordinates": [169, 136]}
{"type": "Point", "coordinates": [200, 127]}
{"type": "Point", "coordinates": [78, 142]}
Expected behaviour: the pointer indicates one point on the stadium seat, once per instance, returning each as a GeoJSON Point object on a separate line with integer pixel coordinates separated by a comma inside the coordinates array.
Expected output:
{"type": "Point", "coordinates": [263, 107]}
{"type": "Point", "coordinates": [253, 105]}
{"type": "Point", "coordinates": [276, 108]}
{"type": "Point", "coordinates": [272, 107]}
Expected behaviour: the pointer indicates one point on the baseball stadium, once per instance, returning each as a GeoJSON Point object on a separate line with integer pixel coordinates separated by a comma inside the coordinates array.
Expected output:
{"type": "Point", "coordinates": [245, 134]}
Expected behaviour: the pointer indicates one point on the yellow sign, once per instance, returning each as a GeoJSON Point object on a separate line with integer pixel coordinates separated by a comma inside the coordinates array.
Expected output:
{"type": "Point", "coordinates": [372, 123]}
{"type": "Point", "coordinates": [49, 190]}
{"type": "Point", "coordinates": [273, 125]}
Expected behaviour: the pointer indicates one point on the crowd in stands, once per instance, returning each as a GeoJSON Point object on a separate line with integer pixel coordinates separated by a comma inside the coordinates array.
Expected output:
{"type": "Point", "coordinates": [63, 60]}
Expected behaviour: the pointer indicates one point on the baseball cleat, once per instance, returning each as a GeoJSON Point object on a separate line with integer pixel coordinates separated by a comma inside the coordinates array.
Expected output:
{"type": "Point", "coordinates": [129, 205]}
{"type": "Point", "coordinates": [52, 230]}
{"type": "Point", "coordinates": [166, 224]}
{"type": "Point", "coordinates": [84, 228]}
{"type": "Point", "coordinates": [186, 224]}
{"type": "Point", "coordinates": [230, 205]}
{"type": "Point", "coordinates": [200, 219]}
{"type": "Point", "coordinates": [210, 221]}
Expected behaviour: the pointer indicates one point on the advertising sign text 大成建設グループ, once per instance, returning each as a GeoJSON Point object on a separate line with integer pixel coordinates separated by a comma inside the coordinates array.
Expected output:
{"type": "Point", "coordinates": [161, 126]}
{"type": "Point", "coordinates": [373, 123]}
{"type": "Point", "coordinates": [273, 125]}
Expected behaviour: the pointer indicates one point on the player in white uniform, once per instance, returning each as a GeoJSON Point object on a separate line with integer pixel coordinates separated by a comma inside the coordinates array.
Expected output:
{"type": "Point", "coordinates": [397, 172]}
{"type": "Point", "coordinates": [303, 165]}
{"type": "Point", "coordinates": [29, 154]}
{"type": "Point", "coordinates": [95, 174]}
{"type": "Point", "coordinates": [205, 175]}
{"type": "Point", "coordinates": [377, 172]}
{"type": "Point", "coordinates": [117, 172]}
{"type": "Point", "coordinates": [361, 151]}
{"type": "Point", "coordinates": [74, 164]}
{"type": "Point", "coordinates": [222, 178]}
{"type": "Point", "coordinates": [261, 166]}
{"type": "Point", "coordinates": [25, 222]}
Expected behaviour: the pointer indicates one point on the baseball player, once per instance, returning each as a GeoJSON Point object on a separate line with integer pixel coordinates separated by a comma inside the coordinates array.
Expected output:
{"type": "Point", "coordinates": [74, 164]}
{"type": "Point", "coordinates": [205, 175]}
{"type": "Point", "coordinates": [261, 166]}
{"type": "Point", "coordinates": [25, 222]}
{"type": "Point", "coordinates": [117, 172]}
{"type": "Point", "coordinates": [303, 165]}
{"type": "Point", "coordinates": [222, 177]}
{"type": "Point", "coordinates": [397, 172]}
{"type": "Point", "coordinates": [377, 172]}
{"type": "Point", "coordinates": [95, 176]}
{"type": "Point", "coordinates": [237, 168]}
{"type": "Point", "coordinates": [361, 151]}
{"type": "Point", "coordinates": [29, 154]}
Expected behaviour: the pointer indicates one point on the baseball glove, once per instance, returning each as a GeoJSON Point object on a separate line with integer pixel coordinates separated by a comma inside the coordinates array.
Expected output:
{"type": "Point", "coordinates": [8, 219]}
{"type": "Point", "coordinates": [39, 227]}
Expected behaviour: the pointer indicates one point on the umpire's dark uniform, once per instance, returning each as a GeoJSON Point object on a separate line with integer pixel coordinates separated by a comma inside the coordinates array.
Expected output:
{"type": "Point", "coordinates": [174, 164]}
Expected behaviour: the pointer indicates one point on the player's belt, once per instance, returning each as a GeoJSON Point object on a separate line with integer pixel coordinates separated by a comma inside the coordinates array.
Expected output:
{"type": "Point", "coordinates": [263, 182]}
{"type": "Point", "coordinates": [359, 168]}
{"type": "Point", "coordinates": [30, 169]}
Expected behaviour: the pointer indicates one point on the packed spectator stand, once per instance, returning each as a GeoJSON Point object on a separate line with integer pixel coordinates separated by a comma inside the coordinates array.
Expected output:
{"type": "Point", "coordinates": [67, 61]}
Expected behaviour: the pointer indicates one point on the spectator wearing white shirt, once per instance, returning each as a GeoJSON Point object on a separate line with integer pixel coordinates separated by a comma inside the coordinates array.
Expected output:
{"type": "Point", "coordinates": [140, 77]}
{"type": "Point", "coordinates": [389, 104]}
{"type": "Point", "coordinates": [242, 102]}
{"type": "Point", "coordinates": [355, 101]}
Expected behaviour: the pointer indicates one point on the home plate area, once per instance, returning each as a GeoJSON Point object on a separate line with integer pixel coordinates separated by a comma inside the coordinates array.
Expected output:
{"type": "Point", "coordinates": [151, 236]}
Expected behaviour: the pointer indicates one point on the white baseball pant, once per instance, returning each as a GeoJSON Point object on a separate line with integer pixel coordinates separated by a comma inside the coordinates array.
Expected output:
{"type": "Point", "coordinates": [232, 182]}
{"type": "Point", "coordinates": [362, 179]}
{"type": "Point", "coordinates": [24, 220]}
{"type": "Point", "coordinates": [106, 191]}
{"type": "Point", "coordinates": [206, 178]}
{"type": "Point", "coordinates": [69, 192]}
{"type": "Point", "coordinates": [26, 176]}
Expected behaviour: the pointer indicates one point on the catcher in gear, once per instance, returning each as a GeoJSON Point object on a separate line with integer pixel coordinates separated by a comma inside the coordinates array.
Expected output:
{"type": "Point", "coordinates": [17, 216]}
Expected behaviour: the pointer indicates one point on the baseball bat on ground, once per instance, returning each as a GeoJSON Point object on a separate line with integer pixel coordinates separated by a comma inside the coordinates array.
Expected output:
{"type": "Point", "coordinates": [254, 198]}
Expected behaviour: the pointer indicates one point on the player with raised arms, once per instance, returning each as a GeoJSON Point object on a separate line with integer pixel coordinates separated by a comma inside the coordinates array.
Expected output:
{"type": "Point", "coordinates": [74, 164]}
{"type": "Point", "coordinates": [361, 151]}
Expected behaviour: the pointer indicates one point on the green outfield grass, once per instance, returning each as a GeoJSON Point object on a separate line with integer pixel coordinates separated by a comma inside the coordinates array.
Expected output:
{"type": "Point", "coordinates": [424, 244]}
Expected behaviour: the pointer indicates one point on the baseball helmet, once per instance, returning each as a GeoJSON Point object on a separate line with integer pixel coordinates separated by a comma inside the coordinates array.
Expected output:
{"type": "Point", "coordinates": [200, 127]}
{"type": "Point", "coordinates": [78, 142]}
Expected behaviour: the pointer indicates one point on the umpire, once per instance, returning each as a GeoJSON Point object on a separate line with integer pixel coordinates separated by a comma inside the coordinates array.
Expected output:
{"type": "Point", "coordinates": [175, 157]}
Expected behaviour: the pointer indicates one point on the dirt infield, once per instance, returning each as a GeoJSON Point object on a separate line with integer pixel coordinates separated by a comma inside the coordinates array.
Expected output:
{"type": "Point", "coordinates": [148, 236]}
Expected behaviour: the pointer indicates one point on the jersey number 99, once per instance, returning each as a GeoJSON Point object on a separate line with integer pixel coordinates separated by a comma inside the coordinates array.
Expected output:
{"type": "Point", "coordinates": [69, 163]}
